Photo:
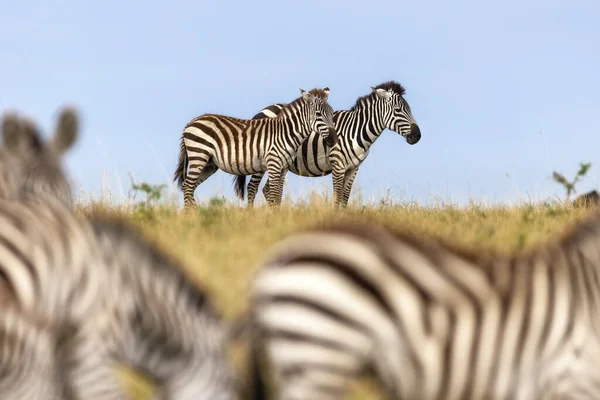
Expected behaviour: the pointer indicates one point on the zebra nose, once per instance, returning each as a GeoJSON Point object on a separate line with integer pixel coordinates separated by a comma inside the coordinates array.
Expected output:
{"type": "Point", "coordinates": [332, 138]}
{"type": "Point", "coordinates": [415, 134]}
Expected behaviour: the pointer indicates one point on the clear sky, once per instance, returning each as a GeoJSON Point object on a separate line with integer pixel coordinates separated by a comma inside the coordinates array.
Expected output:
{"type": "Point", "coordinates": [504, 91]}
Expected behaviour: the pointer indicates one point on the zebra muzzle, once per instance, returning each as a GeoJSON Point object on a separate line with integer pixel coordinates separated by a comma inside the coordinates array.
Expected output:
{"type": "Point", "coordinates": [415, 134]}
{"type": "Point", "coordinates": [332, 138]}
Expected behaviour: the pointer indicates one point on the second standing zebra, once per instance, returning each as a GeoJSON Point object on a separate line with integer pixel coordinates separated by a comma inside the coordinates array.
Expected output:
{"type": "Point", "coordinates": [357, 128]}
{"type": "Point", "coordinates": [244, 147]}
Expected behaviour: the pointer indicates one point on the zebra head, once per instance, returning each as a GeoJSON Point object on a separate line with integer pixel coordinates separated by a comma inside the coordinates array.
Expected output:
{"type": "Point", "coordinates": [320, 114]}
{"type": "Point", "coordinates": [31, 168]}
{"type": "Point", "coordinates": [396, 111]}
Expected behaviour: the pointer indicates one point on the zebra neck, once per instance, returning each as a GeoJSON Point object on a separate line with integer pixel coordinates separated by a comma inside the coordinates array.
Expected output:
{"type": "Point", "coordinates": [292, 123]}
{"type": "Point", "coordinates": [364, 126]}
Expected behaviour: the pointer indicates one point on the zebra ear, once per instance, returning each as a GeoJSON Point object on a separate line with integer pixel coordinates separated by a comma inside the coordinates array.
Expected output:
{"type": "Point", "coordinates": [309, 98]}
{"type": "Point", "coordinates": [20, 135]}
{"type": "Point", "coordinates": [326, 90]}
{"type": "Point", "coordinates": [382, 93]}
{"type": "Point", "coordinates": [67, 130]}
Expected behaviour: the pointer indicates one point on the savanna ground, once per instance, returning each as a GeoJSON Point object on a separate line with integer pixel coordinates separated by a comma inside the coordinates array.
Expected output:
{"type": "Point", "coordinates": [220, 244]}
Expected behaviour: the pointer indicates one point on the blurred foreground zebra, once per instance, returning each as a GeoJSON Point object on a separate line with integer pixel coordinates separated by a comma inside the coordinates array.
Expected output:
{"type": "Point", "coordinates": [96, 292]}
{"type": "Point", "coordinates": [357, 129]}
{"type": "Point", "coordinates": [429, 320]}
{"type": "Point", "coordinates": [242, 147]}
{"type": "Point", "coordinates": [31, 177]}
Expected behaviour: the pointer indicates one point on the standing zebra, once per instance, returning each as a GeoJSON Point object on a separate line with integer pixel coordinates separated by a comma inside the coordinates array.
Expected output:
{"type": "Point", "coordinates": [243, 147]}
{"type": "Point", "coordinates": [98, 293]}
{"type": "Point", "coordinates": [429, 320]}
{"type": "Point", "coordinates": [357, 129]}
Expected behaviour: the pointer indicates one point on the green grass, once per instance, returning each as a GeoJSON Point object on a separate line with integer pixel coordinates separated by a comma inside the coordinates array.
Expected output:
{"type": "Point", "coordinates": [220, 245]}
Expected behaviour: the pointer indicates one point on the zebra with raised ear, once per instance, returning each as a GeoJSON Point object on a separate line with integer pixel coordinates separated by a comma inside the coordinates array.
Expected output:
{"type": "Point", "coordinates": [86, 294]}
{"type": "Point", "coordinates": [243, 147]}
{"type": "Point", "coordinates": [430, 320]}
{"type": "Point", "coordinates": [357, 128]}
{"type": "Point", "coordinates": [31, 179]}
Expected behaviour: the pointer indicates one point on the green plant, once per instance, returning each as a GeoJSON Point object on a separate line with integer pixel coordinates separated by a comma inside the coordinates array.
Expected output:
{"type": "Point", "coordinates": [570, 186]}
{"type": "Point", "coordinates": [153, 192]}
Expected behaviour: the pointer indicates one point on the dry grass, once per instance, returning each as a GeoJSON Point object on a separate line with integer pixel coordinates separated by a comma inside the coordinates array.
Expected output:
{"type": "Point", "coordinates": [221, 244]}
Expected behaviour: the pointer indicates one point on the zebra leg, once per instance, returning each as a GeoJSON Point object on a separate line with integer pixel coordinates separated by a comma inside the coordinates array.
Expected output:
{"type": "Point", "coordinates": [253, 187]}
{"type": "Point", "coordinates": [199, 172]}
{"type": "Point", "coordinates": [277, 178]}
{"type": "Point", "coordinates": [348, 182]}
{"type": "Point", "coordinates": [266, 189]}
{"type": "Point", "coordinates": [338, 175]}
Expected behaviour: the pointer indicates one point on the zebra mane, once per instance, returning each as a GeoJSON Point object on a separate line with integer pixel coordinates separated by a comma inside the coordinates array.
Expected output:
{"type": "Point", "coordinates": [583, 235]}
{"type": "Point", "coordinates": [389, 85]}
{"type": "Point", "coordinates": [319, 93]}
{"type": "Point", "coordinates": [426, 243]}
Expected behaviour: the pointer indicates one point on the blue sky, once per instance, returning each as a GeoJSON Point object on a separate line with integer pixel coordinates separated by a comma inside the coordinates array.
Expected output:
{"type": "Point", "coordinates": [504, 92]}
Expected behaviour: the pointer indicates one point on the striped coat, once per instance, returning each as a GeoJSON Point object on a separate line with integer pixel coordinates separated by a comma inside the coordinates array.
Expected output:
{"type": "Point", "coordinates": [428, 319]}
{"type": "Point", "coordinates": [211, 142]}
{"type": "Point", "coordinates": [357, 129]}
{"type": "Point", "coordinates": [98, 290]}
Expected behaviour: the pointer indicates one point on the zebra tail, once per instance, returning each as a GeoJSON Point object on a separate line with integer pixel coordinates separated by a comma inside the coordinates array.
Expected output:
{"type": "Point", "coordinates": [239, 185]}
{"type": "Point", "coordinates": [182, 166]}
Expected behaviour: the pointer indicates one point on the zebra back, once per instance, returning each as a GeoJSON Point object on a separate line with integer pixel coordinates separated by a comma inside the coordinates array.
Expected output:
{"type": "Point", "coordinates": [431, 319]}
{"type": "Point", "coordinates": [31, 168]}
{"type": "Point", "coordinates": [270, 112]}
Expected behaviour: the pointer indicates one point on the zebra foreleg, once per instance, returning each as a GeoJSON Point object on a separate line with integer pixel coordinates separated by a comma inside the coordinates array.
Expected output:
{"type": "Point", "coordinates": [277, 178]}
{"type": "Point", "coordinates": [266, 188]}
{"type": "Point", "coordinates": [253, 187]}
{"type": "Point", "coordinates": [348, 182]}
{"type": "Point", "coordinates": [338, 175]}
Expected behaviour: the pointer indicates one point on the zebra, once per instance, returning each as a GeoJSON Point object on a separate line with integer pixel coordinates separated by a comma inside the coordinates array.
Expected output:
{"type": "Point", "coordinates": [44, 177]}
{"type": "Point", "coordinates": [358, 128]}
{"type": "Point", "coordinates": [30, 170]}
{"type": "Point", "coordinates": [100, 294]}
{"type": "Point", "coordinates": [427, 318]}
{"type": "Point", "coordinates": [241, 147]}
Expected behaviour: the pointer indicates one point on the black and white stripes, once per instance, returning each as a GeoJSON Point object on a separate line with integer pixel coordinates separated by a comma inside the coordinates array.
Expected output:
{"type": "Point", "coordinates": [357, 128]}
{"type": "Point", "coordinates": [244, 147]}
{"type": "Point", "coordinates": [430, 321]}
